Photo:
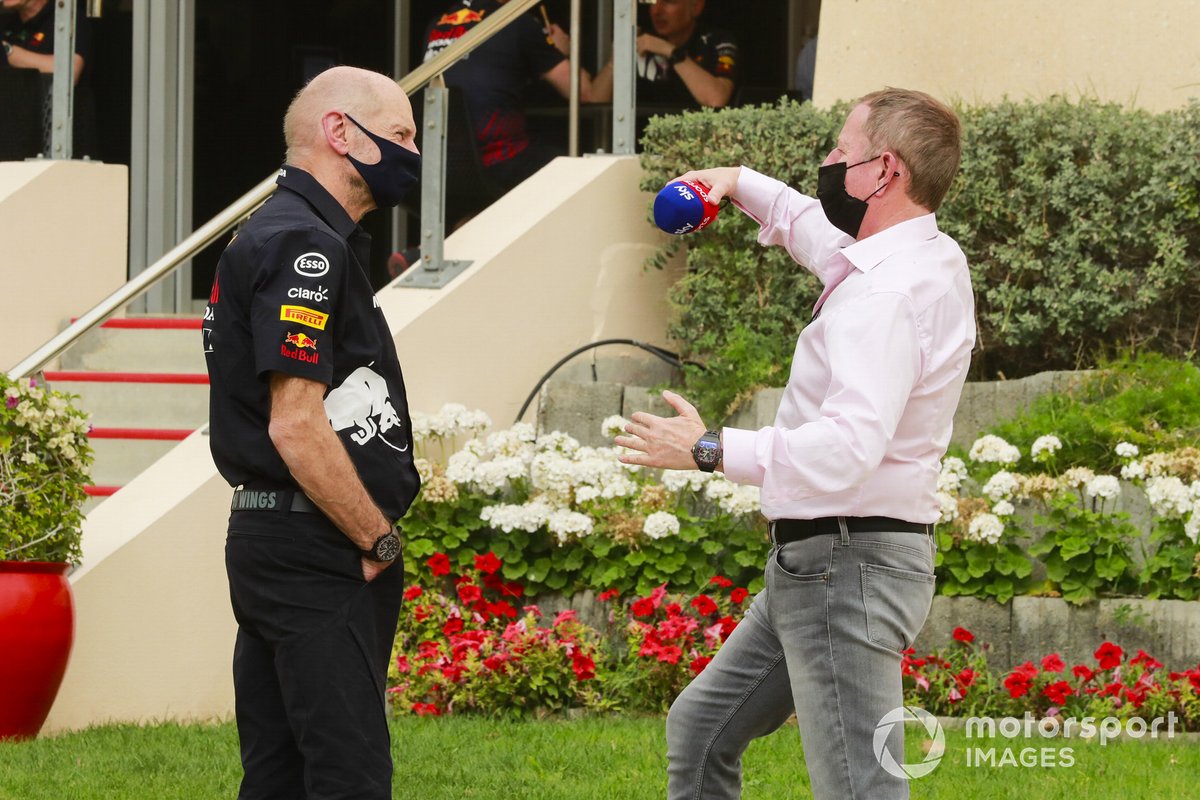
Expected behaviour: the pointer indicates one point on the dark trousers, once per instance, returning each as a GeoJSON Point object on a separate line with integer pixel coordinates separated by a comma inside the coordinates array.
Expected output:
{"type": "Point", "coordinates": [310, 664]}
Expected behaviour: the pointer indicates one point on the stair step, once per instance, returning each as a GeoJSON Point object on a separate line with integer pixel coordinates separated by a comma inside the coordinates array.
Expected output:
{"type": "Point", "coordinates": [141, 345]}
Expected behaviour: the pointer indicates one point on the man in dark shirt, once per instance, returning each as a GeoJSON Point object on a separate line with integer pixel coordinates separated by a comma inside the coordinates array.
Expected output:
{"type": "Point", "coordinates": [494, 79]}
{"type": "Point", "coordinates": [309, 420]}
{"type": "Point", "coordinates": [683, 64]}
{"type": "Point", "coordinates": [27, 42]}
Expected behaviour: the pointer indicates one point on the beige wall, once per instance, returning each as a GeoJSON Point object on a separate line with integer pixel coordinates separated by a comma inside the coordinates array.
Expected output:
{"type": "Point", "coordinates": [1140, 54]}
{"type": "Point", "coordinates": [64, 228]}
{"type": "Point", "coordinates": [558, 262]}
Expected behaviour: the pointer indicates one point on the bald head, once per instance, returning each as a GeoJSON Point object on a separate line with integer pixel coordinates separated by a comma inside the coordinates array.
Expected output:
{"type": "Point", "coordinates": [373, 99]}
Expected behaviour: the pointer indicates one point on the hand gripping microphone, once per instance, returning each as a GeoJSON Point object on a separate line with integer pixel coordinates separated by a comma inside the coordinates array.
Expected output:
{"type": "Point", "coordinates": [683, 207]}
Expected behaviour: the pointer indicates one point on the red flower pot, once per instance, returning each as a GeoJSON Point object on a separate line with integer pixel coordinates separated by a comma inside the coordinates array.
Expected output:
{"type": "Point", "coordinates": [37, 625]}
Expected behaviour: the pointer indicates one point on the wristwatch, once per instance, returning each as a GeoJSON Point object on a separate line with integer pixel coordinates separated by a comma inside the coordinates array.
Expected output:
{"type": "Point", "coordinates": [678, 54]}
{"type": "Point", "coordinates": [707, 451]}
{"type": "Point", "coordinates": [386, 547]}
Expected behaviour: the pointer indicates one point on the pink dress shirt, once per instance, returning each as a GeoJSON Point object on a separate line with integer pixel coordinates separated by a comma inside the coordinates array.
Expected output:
{"type": "Point", "coordinates": [876, 377]}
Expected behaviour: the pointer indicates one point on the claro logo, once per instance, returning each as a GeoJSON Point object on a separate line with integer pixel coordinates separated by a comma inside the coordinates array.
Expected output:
{"type": "Point", "coordinates": [311, 265]}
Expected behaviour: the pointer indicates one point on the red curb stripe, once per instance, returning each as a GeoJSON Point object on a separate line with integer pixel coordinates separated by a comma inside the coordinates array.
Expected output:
{"type": "Point", "coordinates": [128, 377]}
{"type": "Point", "coordinates": [152, 323]}
{"type": "Point", "coordinates": [158, 434]}
{"type": "Point", "coordinates": [101, 491]}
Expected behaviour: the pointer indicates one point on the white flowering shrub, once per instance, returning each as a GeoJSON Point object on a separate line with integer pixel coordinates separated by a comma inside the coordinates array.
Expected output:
{"type": "Point", "coordinates": [45, 459]}
{"type": "Point", "coordinates": [562, 516]}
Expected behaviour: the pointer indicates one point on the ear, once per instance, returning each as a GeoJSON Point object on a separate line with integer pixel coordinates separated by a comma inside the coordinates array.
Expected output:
{"type": "Point", "coordinates": [333, 123]}
{"type": "Point", "coordinates": [892, 167]}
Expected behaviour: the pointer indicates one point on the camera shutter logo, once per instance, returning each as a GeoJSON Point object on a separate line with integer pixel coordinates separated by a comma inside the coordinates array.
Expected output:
{"type": "Point", "coordinates": [898, 716]}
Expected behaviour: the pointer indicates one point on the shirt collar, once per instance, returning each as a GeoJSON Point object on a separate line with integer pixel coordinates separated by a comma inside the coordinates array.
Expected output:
{"type": "Point", "coordinates": [297, 180]}
{"type": "Point", "coordinates": [868, 253]}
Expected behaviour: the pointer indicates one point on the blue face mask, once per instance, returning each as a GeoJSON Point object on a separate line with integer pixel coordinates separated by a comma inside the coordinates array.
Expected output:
{"type": "Point", "coordinates": [397, 170]}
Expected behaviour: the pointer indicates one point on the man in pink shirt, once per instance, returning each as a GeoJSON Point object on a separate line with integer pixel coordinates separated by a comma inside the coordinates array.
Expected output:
{"type": "Point", "coordinates": [849, 468]}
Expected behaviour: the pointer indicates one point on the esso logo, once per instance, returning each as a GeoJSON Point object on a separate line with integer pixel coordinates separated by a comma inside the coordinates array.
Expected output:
{"type": "Point", "coordinates": [311, 265]}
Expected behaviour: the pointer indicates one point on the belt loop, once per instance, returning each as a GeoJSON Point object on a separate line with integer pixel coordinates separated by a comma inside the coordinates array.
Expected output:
{"type": "Point", "coordinates": [771, 533]}
{"type": "Point", "coordinates": [845, 531]}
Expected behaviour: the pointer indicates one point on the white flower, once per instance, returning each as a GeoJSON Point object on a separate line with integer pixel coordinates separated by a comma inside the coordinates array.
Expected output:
{"type": "Point", "coordinates": [29, 458]}
{"type": "Point", "coordinates": [952, 474]}
{"type": "Point", "coordinates": [718, 489]}
{"type": "Point", "coordinates": [556, 441]}
{"type": "Point", "coordinates": [744, 500]}
{"type": "Point", "coordinates": [1105, 487]}
{"type": "Point", "coordinates": [1000, 486]}
{"type": "Point", "coordinates": [679, 479]}
{"type": "Point", "coordinates": [661, 524]}
{"type": "Point", "coordinates": [527, 517]}
{"type": "Point", "coordinates": [461, 468]}
{"type": "Point", "coordinates": [1169, 497]}
{"type": "Point", "coordinates": [1133, 471]}
{"type": "Point", "coordinates": [564, 524]}
{"type": "Point", "coordinates": [552, 471]}
{"type": "Point", "coordinates": [495, 476]}
{"type": "Point", "coordinates": [1192, 527]}
{"type": "Point", "coordinates": [1077, 477]}
{"type": "Point", "coordinates": [986, 528]}
{"type": "Point", "coordinates": [585, 494]}
{"type": "Point", "coordinates": [516, 441]}
{"type": "Point", "coordinates": [424, 469]}
{"type": "Point", "coordinates": [1004, 509]}
{"type": "Point", "coordinates": [949, 507]}
{"type": "Point", "coordinates": [1127, 450]}
{"type": "Point", "coordinates": [613, 426]}
{"type": "Point", "coordinates": [991, 449]}
{"type": "Point", "coordinates": [1045, 444]}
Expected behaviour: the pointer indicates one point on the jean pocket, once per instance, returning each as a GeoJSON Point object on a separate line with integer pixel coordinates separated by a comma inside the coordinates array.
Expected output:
{"type": "Point", "coordinates": [805, 560]}
{"type": "Point", "coordinates": [897, 602]}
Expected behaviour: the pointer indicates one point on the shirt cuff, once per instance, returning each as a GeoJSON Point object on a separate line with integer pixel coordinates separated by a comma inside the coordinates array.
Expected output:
{"type": "Point", "coordinates": [737, 452]}
{"type": "Point", "coordinates": [756, 194]}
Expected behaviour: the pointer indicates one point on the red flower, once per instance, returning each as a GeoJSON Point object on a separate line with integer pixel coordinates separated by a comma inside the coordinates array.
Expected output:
{"type": "Point", "coordinates": [727, 625]}
{"type": "Point", "coordinates": [452, 626]}
{"type": "Point", "coordinates": [642, 607]}
{"type": "Point", "coordinates": [605, 596]}
{"type": "Point", "coordinates": [673, 610]}
{"type": "Point", "coordinates": [513, 589]}
{"type": "Point", "coordinates": [1113, 689]}
{"type": "Point", "coordinates": [704, 605]}
{"type": "Point", "coordinates": [412, 593]}
{"type": "Point", "coordinates": [1058, 692]}
{"type": "Point", "coordinates": [1052, 663]}
{"type": "Point", "coordinates": [1143, 657]}
{"type": "Point", "coordinates": [1136, 695]}
{"type": "Point", "coordinates": [469, 593]}
{"type": "Point", "coordinates": [439, 564]}
{"type": "Point", "coordinates": [402, 664]}
{"type": "Point", "coordinates": [965, 679]}
{"type": "Point", "coordinates": [738, 595]}
{"type": "Point", "coordinates": [1083, 671]}
{"type": "Point", "coordinates": [502, 609]}
{"type": "Point", "coordinates": [421, 613]}
{"type": "Point", "coordinates": [564, 616]}
{"type": "Point", "coordinates": [963, 635]}
{"type": "Point", "coordinates": [699, 663]}
{"type": "Point", "coordinates": [722, 581]}
{"type": "Point", "coordinates": [1109, 655]}
{"type": "Point", "coordinates": [670, 654]}
{"type": "Point", "coordinates": [495, 662]}
{"type": "Point", "coordinates": [487, 563]}
{"type": "Point", "coordinates": [584, 666]}
{"type": "Point", "coordinates": [1020, 680]}
{"type": "Point", "coordinates": [426, 710]}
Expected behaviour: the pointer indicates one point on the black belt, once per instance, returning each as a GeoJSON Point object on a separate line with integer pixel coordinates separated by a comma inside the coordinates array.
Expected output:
{"type": "Point", "coordinates": [793, 530]}
{"type": "Point", "coordinates": [272, 500]}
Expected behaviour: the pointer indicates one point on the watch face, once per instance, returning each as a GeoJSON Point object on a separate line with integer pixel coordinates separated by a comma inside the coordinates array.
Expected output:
{"type": "Point", "coordinates": [708, 452]}
{"type": "Point", "coordinates": [388, 547]}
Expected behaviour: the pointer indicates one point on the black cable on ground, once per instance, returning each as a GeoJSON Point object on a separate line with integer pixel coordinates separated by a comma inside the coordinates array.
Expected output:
{"type": "Point", "coordinates": [662, 354]}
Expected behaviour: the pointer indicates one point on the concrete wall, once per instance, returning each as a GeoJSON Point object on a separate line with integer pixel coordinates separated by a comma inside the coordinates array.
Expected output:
{"type": "Point", "coordinates": [1140, 54]}
{"type": "Point", "coordinates": [64, 228]}
{"type": "Point", "coordinates": [154, 634]}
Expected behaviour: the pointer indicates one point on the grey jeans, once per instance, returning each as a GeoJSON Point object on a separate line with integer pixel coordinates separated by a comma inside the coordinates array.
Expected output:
{"type": "Point", "coordinates": [823, 638]}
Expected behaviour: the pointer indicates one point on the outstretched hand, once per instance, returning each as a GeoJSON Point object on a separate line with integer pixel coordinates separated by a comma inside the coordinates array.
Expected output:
{"type": "Point", "coordinates": [721, 182]}
{"type": "Point", "coordinates": [663, 441]}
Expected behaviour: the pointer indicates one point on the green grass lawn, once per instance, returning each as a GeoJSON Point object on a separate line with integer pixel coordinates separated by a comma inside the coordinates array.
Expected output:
{"type": "Point", "coordinates": [605, 758]}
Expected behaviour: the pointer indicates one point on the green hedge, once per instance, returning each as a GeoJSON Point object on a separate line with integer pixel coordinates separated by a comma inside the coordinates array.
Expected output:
{"type": "Point", "coordinates": [1080, 221]}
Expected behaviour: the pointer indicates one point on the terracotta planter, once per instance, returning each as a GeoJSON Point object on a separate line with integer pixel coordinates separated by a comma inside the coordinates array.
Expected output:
{"type": "Point", "coordinates": [37, 626]}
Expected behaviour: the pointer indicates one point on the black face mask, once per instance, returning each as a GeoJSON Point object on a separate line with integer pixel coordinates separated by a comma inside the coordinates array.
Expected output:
{"type": "Point", "coordinates": [842, 209]}
{"type": "Point", "coordinates": [397, 170]}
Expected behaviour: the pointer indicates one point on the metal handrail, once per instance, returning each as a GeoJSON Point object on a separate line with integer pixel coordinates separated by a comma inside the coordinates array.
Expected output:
{"type": "Point", "coordinates": [241, 208]}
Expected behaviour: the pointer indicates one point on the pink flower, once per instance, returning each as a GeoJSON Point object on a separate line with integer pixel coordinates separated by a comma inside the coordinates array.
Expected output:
{"type": "Point", "coordinates": [564, 616]}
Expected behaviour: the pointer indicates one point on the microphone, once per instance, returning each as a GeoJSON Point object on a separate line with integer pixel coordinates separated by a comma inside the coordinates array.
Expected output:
{"type": "Point", "coordinates": [683, 207]}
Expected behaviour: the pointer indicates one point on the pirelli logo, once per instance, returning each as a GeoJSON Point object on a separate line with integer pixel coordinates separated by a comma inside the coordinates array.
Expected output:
{"type": "Point", "coordinates": [304, 316]}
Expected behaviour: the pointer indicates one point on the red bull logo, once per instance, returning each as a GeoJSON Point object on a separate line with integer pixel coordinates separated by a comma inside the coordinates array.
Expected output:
{"type": "Point", "coordinates": [464, 16]}
{"type": "Point", "coordinates": [302, 343]}
{"type": "Point", "coordinates": [301, 340]}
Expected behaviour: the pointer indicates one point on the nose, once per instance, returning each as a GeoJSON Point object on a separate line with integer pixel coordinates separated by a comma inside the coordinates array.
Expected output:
{"type": "Point", "coordinates": [830, 159]}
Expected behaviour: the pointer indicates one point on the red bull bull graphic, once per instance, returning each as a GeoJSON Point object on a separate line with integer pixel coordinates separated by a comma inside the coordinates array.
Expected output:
{"type": "Point", "coordinates": [302, 343]}
{"type": "Point", "coordinates": [464, 16]}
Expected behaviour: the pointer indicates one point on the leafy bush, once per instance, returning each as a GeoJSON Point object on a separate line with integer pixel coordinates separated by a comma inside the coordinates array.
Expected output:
{"type": "Point", "coordinates": [1080, 223]}
{"type": "Point", "coordinates": [44, 460]}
